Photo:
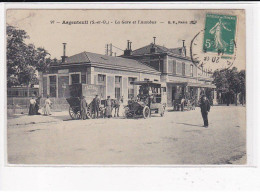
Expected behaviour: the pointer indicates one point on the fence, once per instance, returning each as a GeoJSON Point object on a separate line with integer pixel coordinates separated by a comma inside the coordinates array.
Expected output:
{"type": "Point", "coordinates": [18, 105]}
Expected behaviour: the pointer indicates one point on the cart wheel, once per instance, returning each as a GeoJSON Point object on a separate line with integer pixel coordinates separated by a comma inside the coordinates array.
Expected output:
{"type": "Point", "coordinates": [89, 112]}
{"type": "Point", "coordinates": [146, 112]}
{"type": "Point", "coordinates": [74, 113]}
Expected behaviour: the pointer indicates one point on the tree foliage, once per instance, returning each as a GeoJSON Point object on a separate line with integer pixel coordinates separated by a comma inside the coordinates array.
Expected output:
{"type": "Point", "coordinates": [24, 60]}
{"type": "Point", "coordinates": [230, 81]}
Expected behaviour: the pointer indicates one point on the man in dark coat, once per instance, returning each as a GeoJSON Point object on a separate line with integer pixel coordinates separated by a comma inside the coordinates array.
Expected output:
{"type": "Point", "coordinates": [96, 103]}
{"type": "Point", "coordinates": [205, 108]}
{"type": "Point", "coordinates": [83, 106]}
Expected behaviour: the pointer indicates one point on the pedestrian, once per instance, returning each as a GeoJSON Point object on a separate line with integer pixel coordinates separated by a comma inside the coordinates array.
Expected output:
{"type": "Point", "coordinates": [83, 106]}
{"type": "Point", "coordinates": [96, 104]}
{"type": "Point", "coordinates": [108, 105]}
{"type": "Point", "coordinates": [205, 108]}
{"type": "Point", "coordinates": [47, 108]}
{"type": "Point", "coordinates": [122, 105]}
{"type": "Point", "coordinates": [37, 105]}
{"type": "Point", "coordinates": [32, 106]}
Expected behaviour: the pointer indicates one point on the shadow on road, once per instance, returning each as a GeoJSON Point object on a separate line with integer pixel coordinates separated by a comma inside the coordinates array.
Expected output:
{"type": "Point", "coordinates": [190, 124]}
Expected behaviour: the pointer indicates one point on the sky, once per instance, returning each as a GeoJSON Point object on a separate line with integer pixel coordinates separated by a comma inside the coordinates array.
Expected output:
{"type": "Point", "coordinates": [94, 37]}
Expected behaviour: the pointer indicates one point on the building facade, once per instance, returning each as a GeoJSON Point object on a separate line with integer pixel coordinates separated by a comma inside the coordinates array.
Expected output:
{"type": "Point", "coordinates": [115, 74]}
{"type": "Point", "coordinates": [156, 63]}
{"type": "Point", "coordinates": [176, 69]}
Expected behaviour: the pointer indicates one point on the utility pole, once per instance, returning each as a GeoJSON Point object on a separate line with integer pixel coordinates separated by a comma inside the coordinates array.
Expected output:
{"type": "Point", "coordinates": [106, 49]}
{"type": "Point", "coordinates": [110, 50]}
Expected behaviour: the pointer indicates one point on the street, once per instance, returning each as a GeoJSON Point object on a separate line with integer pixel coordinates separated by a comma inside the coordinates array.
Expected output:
{"type": "Point", "coordinates": [175, 139]}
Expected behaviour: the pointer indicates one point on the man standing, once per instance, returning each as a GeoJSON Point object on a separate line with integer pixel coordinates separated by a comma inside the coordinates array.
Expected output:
{"type": "Point", "coordinates": [108, 105]}
{"type": "Point", "coordinates": [205, 108]}
{"type": "Point", "coordinates": [83, 105]}
{"type": "Point", "coordinates": [96, 103]}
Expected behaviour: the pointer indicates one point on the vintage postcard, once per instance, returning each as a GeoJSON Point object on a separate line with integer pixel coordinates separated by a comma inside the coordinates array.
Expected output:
{"type": "Point", "coordinates": [126, 87]}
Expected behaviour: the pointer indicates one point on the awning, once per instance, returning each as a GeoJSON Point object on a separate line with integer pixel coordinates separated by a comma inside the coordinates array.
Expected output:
{"type": "Point", "coordinates": [177, 82]}
{"type": "Point", "coordinates": [191, 84]}
{"type": "Point", "coordinates": [199, 85]}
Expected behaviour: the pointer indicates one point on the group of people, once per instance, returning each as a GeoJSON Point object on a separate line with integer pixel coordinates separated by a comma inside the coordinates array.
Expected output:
{"type": "Point", "coordinates": [35, 106]}
{"type": "Point", "coordinates": [109, 106]}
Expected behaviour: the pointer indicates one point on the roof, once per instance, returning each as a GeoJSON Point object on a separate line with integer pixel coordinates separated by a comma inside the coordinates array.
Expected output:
{"type": "Point", "coordinates": [146, 49]}
{"type": "Point", "coordinates": [104, 61]}
{"type": "Point", "coordinates": [176, 52]}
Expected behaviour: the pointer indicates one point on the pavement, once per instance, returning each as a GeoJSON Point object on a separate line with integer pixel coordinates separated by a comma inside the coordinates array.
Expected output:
{"type": "Point", "coordinates": [178, 138]}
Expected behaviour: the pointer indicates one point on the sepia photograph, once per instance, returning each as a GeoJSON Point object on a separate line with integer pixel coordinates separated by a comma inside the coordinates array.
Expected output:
{"type": "Point", "coordinates": [126, 87]}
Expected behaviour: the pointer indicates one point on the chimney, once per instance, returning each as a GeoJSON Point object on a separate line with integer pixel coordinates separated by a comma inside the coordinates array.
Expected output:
{"type": "Point", "coordinates": [63, 58]}
{"type": "Point", "coordinates": [154, 38]}
{"type": "Point", "coordinates": [153, 49]}
{"type": "Point", "coordinates": [183, 48]}
{"type": "Point", "coordinates": [128, 50]}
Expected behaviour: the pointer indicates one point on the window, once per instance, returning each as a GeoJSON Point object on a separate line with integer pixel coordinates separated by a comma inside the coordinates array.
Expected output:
{"type": "Point", "coordinates": [75, 78]}
{"type": "Point", "coordinates": [101, 78]}
{"type": "Point", "coordinates": [170, 66]}
{"type": "Point", "coordinates": [131, 93]}
{"type": "Point", "coordinates": [118, 79]}
{"type": "Point", "coordinates": [191, 70]}
{"type": "Point", "coordinates": [52, 86]}
{"type": "Point", "coordinates": [174, 66]}
{"type": "Point", "coordinates": [179, 68]}
{"type": "Point", "coordinates": [130, 80]}
{"type": "Point", "coordinates": [118, 85]}
{"type": "Point", "coordinates": [131, 87]}
{"type": "Point", "coordinates": [183, 68]}
{"type": "Point", "coordinates": [117, 93]}
{"type": "Point", "coordinates": [163, 89]}
{"type": "Point", "coordinates": [83, 79]}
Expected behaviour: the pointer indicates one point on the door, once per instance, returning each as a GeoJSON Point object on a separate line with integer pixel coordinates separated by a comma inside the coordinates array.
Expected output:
{"type": "Point", "coordinates": [174, 91]}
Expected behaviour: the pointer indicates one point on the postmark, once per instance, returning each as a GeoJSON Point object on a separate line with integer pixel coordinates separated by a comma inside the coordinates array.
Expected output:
{"type": "Point", "coordinates": [214, 47]}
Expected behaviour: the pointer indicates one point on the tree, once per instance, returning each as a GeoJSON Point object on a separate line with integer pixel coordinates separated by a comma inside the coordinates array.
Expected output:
{"type": "Point", "coordinates": [242, 78]}
{"type": "Point", "coordinates": [229, 83]}
{"type": "Point", "coordinates": [234, 82]}
{"type": "Point", "coordinates": [24, 60]}
{"type": "Point", "coordinates": [16, 54]}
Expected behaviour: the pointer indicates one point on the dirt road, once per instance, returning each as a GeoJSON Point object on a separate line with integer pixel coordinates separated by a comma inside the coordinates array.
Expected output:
{"type": "Point", "coordinates": [176, 138]}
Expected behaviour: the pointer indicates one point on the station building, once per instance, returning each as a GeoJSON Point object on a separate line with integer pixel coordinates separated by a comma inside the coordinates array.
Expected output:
{"type": "Point", "coordinates": [153, 62]}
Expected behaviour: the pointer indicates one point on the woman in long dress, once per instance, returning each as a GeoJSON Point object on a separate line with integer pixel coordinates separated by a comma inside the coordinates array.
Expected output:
{"type": "Point", "coordinates": [47, 108]}
{"type": "Point", "coordinates": [122, 105]}
{"type": "Point", "coordinates": [32, 106]}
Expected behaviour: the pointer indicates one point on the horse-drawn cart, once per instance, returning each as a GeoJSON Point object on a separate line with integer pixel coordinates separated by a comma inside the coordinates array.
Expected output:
{"type": "Point", "coordinates": [76, 92]}
{"type": "Point", "coordinates": [184, 104]}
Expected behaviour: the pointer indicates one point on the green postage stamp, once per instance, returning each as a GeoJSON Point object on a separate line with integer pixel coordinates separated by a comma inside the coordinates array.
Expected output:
{"type": "Point", "coordinates": [219, 35]}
